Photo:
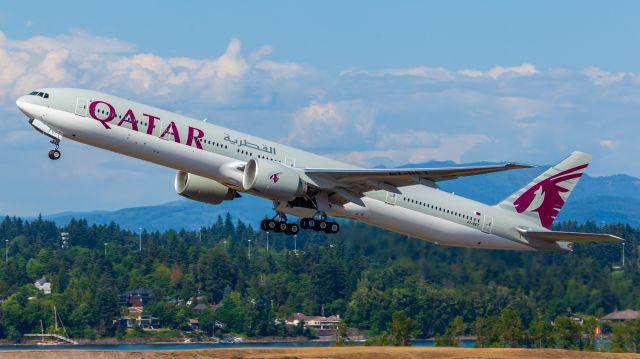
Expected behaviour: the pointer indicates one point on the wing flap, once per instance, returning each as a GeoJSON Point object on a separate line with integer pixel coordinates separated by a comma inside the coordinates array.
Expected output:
{"type": "Point", "coordinates": [576, 237]}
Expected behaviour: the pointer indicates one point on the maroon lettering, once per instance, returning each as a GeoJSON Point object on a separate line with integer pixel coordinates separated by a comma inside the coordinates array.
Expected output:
{"type": "Point", "coordinates": [194, 135]}
{"type": "Point", "coordinates": [103, 121]}
{"type": "Point", "coordinates": [152, 122]}
{"type": "Point", "coordinates": [174, 132]}
{"type": "Point", "coordinates": [131, 118]}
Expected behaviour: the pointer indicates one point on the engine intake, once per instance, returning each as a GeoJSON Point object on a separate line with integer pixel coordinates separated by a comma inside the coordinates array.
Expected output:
{"type": "Point", "coordinates": [202, 189]}
{"type": "Point", "coordinates": [273, 180]}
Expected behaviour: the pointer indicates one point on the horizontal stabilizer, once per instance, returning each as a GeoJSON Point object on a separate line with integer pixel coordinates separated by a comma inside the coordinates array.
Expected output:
{"type": "Point", "coordinates": [576, 237]}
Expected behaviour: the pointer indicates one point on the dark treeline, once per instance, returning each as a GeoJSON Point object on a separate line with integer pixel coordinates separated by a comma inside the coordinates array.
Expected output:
{"type": "Point", "coordinates": [363, 274]}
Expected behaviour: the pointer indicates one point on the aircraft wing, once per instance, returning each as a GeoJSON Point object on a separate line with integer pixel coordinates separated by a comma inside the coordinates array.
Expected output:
{"type": "Point", "coordinates": [362, 180]}
{"type": "Point", "coordinates": [576, 237]}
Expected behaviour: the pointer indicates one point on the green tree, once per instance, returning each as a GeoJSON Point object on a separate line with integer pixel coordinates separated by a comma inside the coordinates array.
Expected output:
{"type": "Point", "coordinates": [232, 312]}
{"type": "Point", "coordinates": [400, 329]}
{"type": "Point", "coordinates": [451, 337]}
{"type": "Point", "coordinates": [511, 332]}
{"type": "Point", "coordinates": [566, 332]}
{"type": "Point", "coordinates": [342, 333]}
{"type": "Point", "coordinates": [540, 334]}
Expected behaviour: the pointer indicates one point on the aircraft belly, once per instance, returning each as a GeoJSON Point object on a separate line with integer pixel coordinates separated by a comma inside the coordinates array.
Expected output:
{"type": "Point", "coordinates": [432, 229]}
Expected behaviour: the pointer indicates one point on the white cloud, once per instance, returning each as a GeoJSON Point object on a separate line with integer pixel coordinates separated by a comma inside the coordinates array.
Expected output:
{"type": "Point", "coordinates": [76, 41]}
{"type": "Point", "coordinates": [280, 70]}
{"type": "Point", "coordinates": [498, 71]}
{"type": "Point", "coordinates": [81, 59]}
{"type": "Point", "coordinates": [608, 144]}
{"type": "Point", "coordinates": [328, 123]}
{"type": "Point", "coordinates": [443, 74]}
{"type": "Point", "coordinates": [438, 147]}
{"type": "Point", "coordinates": [603, 78]}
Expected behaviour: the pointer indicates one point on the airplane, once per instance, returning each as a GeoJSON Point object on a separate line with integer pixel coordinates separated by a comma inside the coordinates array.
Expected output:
{"type": "Point", "coordinates": [216, 164]}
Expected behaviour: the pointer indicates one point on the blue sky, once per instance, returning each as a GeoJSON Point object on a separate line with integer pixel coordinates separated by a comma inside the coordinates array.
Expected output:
{"type": "Point", "coordinates": [369, 82]}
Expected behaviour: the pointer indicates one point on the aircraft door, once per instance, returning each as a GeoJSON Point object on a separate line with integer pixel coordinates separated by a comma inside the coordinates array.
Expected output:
{"type": "Point", "coordinates": [391, 198]}
{"type": "Point", "coordinates": [291, 162]}
{"type": "Point", "coordinates": [81, 106]}
{"type": "Point", "coordinates": [487, 224]}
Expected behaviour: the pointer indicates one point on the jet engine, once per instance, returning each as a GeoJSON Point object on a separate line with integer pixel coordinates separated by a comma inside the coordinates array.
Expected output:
{"type": "Point", "coordinates": [273, 180]}
{"type": "Point", "coordinates": [202, 189]}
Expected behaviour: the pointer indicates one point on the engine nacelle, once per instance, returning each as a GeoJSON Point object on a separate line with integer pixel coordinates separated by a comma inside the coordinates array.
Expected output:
{"type": "Point", "coordinates": [273, 180]}
{"type": "Point", "coordinates": [202, 189]}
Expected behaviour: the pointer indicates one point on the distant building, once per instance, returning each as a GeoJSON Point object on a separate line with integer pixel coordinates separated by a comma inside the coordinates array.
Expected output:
{"type": "Point", "coordinates": [193, 324]}
{"type": "Point", "coordinates": [135, 298]}
{"type": "Point", "coordinates": [43, 285]}
{"type": "Point", "coordinates": [124, 322]}
{"type": "Point", "coordinates": [621, 316]}
{"type": "Point", "coordinates": [144, 321]}
{"type": "Point", "coordinates": [321, 325]}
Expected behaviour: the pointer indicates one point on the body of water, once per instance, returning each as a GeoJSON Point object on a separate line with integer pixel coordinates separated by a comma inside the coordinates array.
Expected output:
{"type": "Point", "coordinates": [190, 346]}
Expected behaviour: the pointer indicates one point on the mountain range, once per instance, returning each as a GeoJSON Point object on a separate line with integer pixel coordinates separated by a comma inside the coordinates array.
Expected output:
{"type": "Point", "coordinates": [606, 199]}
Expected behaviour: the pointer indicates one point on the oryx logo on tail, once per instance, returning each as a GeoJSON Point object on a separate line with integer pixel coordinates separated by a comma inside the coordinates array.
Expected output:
{"type": "Point", "coordinates": [542, 199]}
{"type": "Point", "coordinates": [548, 193]}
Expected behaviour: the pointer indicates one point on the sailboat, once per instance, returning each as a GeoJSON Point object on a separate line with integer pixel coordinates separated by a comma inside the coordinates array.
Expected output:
{"type": "Point", "coordinates": [57, 338]}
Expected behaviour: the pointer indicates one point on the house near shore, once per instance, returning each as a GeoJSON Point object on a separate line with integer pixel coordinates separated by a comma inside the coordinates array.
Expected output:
{"type": "Point", "coordinates": [193, 325]}
{"type": "Point", "coordinates": [621, 316]}
{"type": "Point", "coordinates": [321, 325]}
{"type": "Point", "coordinates": [43, 285]}
{"type": "Point", "coordinates": [144, 321]}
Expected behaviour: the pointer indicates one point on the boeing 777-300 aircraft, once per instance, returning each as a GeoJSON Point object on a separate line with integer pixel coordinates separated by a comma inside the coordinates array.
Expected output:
{"type": "Point", "coordinates": [216, 164]}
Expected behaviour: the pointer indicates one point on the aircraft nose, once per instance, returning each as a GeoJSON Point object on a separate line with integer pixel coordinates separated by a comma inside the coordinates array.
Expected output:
{"type": "Point", "coordinates": [21, 103]}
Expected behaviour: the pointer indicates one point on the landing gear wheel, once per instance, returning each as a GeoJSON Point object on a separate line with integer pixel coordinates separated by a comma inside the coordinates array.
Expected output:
{"type": "Point", "coordinates": [292, 228]}
{"type": "Point", "coordinates": [281, 227]}
{"type": "Point", "coordinates": [311, 223]}
{"type": "Point", "coordinates": [332, 227]}
{"type": "Point", "coordinates": [264, 225]}
{"type": "Point", "coordinates": [321, 226]}
{"type": "Point", "coordinates": [54, 154]}
{"type": "Point", "coordinates": [271, 225]}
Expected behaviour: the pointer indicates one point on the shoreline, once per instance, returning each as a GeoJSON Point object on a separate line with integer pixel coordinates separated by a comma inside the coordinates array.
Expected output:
{"type": "Point", "coordinates": [360, 352]}
{"type": "Point", "coordinates": [141, 341]}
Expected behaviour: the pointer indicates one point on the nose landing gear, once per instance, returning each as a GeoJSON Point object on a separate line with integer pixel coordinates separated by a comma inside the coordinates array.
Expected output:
{"type": "Point", "coordinates": [55, 153]}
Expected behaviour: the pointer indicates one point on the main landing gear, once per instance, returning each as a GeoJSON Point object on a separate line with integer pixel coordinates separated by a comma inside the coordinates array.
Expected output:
{"type": "Point", "coordinates": [319, 225]}
{"type": "Point", "coordinates": [55, 154]}
{"type": "Point", "coordinates": [279, 224]}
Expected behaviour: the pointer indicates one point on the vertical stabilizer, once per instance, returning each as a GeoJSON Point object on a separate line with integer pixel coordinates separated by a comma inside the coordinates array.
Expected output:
{"type": "Point", "coordinates": [543, 198]}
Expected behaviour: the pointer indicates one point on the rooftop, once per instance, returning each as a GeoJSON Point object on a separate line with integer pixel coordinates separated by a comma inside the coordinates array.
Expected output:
{"type": "Point", "coordinates": [622, 315]}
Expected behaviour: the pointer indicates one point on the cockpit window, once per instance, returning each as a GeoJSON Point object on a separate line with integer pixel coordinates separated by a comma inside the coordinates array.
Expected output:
{"type": "Point", "coordinates": [41, 94]}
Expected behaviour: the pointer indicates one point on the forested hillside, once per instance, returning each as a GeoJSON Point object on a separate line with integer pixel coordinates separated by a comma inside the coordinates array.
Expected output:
{"type": "Point", "coordinates": [363, 274]}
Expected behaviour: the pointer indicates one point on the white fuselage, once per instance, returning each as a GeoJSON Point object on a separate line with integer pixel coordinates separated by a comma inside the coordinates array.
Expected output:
{"type": "Point", "coordinates": [214, 152]}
